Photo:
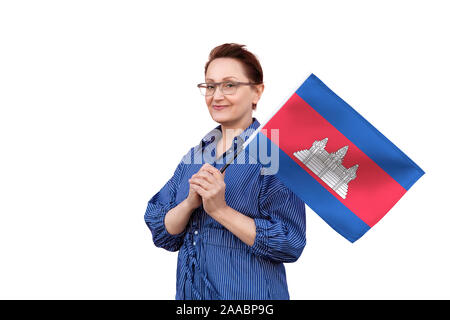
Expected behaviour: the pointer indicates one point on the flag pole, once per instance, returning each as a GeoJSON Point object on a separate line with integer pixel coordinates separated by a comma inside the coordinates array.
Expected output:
{"type": "Point", "coordinates": [231, 160]}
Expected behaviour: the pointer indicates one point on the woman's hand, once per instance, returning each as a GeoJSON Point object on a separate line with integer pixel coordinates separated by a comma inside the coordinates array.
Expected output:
{"type": "Point", "coordinates": [193, 199]}
{"type": "Point", "coordinates": [209, 183]}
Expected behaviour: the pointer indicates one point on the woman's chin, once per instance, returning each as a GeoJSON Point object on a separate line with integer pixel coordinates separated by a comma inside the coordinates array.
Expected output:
{"type": "Point", "coordinates": [220, 116]}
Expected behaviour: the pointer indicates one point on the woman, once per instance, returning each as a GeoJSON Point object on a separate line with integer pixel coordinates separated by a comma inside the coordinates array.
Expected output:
{"type": "Point", "coordinates": [233, 230]}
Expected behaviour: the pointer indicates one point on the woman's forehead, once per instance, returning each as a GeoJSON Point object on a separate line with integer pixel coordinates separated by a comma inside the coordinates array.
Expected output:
{"type": "Point", "coordinates": [221, 69]}
{"type": "Point", "coordinates": [223, 79]}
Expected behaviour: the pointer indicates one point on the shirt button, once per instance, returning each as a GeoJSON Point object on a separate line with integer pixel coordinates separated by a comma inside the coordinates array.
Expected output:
{"type": "Point", "coordinates": [194, 243]}
{"type": "Point", "coordinates": [195, 232]}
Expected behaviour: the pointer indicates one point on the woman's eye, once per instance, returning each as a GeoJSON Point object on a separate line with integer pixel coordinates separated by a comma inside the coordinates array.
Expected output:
{"type": "Point", "coordinates": [209, 87]}
{"type": "Point", "coordinates": [230, 85]}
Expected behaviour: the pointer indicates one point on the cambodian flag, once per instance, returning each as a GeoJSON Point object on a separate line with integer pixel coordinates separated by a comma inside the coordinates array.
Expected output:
{"type": "Point", "coordinates": [343, 168]}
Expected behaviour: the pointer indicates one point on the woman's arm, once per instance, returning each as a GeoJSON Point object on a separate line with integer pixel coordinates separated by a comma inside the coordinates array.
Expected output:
{"type": "Point", "coordinates": [157, 209]}
{"type": "Point", "coordinates": [237, 223]}
{"type": "Point", "coordinates": [177, 218]}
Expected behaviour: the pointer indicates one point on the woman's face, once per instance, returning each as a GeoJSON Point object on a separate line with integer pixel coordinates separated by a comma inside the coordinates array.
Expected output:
{"type": "Point", "coordinates": [238, 105]}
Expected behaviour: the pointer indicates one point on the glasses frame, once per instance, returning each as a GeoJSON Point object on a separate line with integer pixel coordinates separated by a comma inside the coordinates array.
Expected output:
{"type": "Point", "coordinates": [237, 83]}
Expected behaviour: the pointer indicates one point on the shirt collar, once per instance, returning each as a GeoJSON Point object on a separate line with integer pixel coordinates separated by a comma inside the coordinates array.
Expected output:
{"type": "Point", "coordinates": [241, 138]}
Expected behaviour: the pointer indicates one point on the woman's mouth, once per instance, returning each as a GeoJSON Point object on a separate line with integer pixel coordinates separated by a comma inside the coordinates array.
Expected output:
{"type": "Point", "coordinates": [219, 107]}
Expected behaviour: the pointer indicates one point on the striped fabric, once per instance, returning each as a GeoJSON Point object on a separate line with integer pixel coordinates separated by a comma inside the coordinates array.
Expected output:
{"type": "Point", "coordinates": [212, 262]}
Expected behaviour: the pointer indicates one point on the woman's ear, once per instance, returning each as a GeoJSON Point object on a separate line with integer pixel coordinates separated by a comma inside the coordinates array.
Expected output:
{"type": "Point", "coordinates": [259, 91]}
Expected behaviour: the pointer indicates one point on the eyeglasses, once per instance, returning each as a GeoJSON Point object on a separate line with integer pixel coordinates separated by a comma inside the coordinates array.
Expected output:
{"type": "Point", "coordinates": [226, 87]}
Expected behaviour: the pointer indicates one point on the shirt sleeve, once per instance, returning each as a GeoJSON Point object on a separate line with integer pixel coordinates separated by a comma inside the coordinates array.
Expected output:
{"type": "Point", "coordinates": [157, 208]}
{"type": "Point", "coordinates": [281, 230]}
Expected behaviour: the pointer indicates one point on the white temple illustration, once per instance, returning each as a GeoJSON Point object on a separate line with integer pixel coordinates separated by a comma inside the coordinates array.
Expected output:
{"type": "Point", "coordinates": [328, 166]}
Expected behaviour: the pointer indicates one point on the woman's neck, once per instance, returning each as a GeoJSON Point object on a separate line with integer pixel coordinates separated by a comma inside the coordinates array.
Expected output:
{"type": "Point", "coordinates": [229, 131]}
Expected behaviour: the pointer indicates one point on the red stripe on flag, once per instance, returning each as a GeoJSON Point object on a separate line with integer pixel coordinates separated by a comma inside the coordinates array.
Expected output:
{"type": "Point", "coordinates": [371, 194]}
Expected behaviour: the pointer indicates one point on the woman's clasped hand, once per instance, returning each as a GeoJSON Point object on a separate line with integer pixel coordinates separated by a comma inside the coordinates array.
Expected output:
{"type": "Point", "coordinates": [209, 184]}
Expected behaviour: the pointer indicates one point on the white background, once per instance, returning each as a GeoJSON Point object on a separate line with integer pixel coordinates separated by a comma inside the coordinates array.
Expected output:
{"type": "Point", "coordinates": [98, 103]}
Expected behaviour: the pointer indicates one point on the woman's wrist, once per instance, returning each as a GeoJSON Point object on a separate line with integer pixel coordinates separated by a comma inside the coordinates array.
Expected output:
{"type": "Point", "coordinates": [188, 205]}
{"type": "Point", "coordinates": [241, 225]}
{"type": "Point", "coordinates": [176, 219]}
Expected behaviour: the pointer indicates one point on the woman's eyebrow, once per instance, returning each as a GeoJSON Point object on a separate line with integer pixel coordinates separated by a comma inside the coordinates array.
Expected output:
{"type": "Point", "coordinates": [222, 79]}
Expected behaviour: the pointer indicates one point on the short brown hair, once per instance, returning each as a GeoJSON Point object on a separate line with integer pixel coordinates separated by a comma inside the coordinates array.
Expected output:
{"type": "Point", "coordinates": [252, 67]}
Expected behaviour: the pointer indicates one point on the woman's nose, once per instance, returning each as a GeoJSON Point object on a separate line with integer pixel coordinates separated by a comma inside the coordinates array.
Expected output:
{"type": "Point", "coordinates": [218, 94]}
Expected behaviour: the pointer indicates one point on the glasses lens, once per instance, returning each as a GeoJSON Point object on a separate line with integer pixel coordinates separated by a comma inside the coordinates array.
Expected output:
{"type": "Point", "coordinates": [210, 89]}
{"type": "Point", "coordinates": [207, 89]}
{"type": "Point", "coordinates": [229, 88]}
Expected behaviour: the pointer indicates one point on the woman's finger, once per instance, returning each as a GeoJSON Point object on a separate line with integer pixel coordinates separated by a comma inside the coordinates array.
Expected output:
{"type": "Point", "coordinates": [215, 173]}
{"type": "Point", "coordinates": [201, 182]}
{"type": "Point", "coordinates": [213, 170]}
{"type": "Point", "coordinates": [199, 189]}
{"type": "Point", "coordinates": [208, 176]}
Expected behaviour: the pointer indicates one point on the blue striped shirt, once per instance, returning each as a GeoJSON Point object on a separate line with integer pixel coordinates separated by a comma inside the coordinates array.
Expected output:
{"type": "Point", "coordinates": [212, 262]}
